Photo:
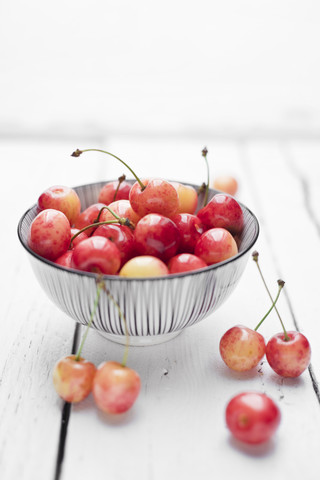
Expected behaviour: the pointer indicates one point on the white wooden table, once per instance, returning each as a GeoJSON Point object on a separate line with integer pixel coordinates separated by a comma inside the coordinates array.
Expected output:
{"type": "Point", "coordinates": [176, 429]}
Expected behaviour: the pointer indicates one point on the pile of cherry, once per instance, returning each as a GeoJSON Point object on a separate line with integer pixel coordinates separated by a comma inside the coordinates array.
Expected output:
{"type": "Point", "coordinates": [146, 229]}
{"type": "Point", "coordinates": [150, 229]}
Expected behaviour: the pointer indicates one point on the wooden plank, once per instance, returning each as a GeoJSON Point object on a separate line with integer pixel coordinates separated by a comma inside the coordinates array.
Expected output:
{"type": "Point", "coordinates": [177, 429]}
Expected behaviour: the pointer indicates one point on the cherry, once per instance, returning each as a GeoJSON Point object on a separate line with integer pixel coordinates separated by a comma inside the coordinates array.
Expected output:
{"type": "Point", "coordinates": [252, 417]}
{"type": "Point", "coordinates": [61, 198]}
{"type": "Point", "coordinates": [185, 262]}
{"type": "Point", "coordinates": [156, 235]}
{"type": "Point", "coordinates": [242, 348]}
{"type": "Point", "coordinates": [149, 196]}
{"type": "Point", "coordinates": [88, 217]}
{"type": "Point", "coordinates": [288, 357]}
{"type": "Point", "coordinates": [222, 211]}
{"type": "Point", "coordinates": [49, 234]}
{"type": "Point", "coordinates": [97, 255]}
{"type": "Point", "coordinates": [215, 245]}
{"type": "Point", "coordinates": [73, 378]}
{"type": "Point", "coordinates": [187, 196]}
{"type": "Point", "coordinates": [122, 208]}
{"type": "Point", "coordinates": [121, 236]}
{"type": "Point", "coordinates": [77, 239]}
{"type": "Point", "coordinates": [144, 266]}
{"type": "Point", "coordinates": [226, 184]}
{"type": "Point", "coordinates": [190, 229]}
{"type": "Point", "coordinates": [115, 387]}
{"type": "Point", "coordinates": [116, 190]}
{"type": "Point", "coordinates": [65, 259]}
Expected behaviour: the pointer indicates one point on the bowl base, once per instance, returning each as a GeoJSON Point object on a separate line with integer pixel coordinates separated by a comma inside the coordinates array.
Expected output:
{"type": "Point", "coordinates": [143, 341]}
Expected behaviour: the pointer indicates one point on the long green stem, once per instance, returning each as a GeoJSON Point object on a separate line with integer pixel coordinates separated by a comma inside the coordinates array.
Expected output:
{"type": "Point", "coordinates": [124, 221]}
{"type": "Point", "coordinates": [109, 210]}
{"type": "Point", "coordinates": [78, 152]}
{"type": "Point", "coordinates": [123, 318]}
{"type": "Point", "coordinates": [204, 154]}
{"type": "Point", "coordinates": [95, 306]}
{"type": "Point", "coordinates": [255, 256]}
{"type": "Point", "coordinates": [281, 285]}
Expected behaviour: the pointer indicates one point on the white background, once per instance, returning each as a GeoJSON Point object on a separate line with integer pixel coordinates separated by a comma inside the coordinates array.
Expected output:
{"type": "Point", "coordinates": [171, 67]}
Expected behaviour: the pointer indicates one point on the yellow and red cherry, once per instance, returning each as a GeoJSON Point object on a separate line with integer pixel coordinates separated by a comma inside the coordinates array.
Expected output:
{"type": "Point", "coordinates": [144, 266]}
{"type": "Point", "coordinates": [158, 196]}
{"type": "Point", "coordinates": [115, 387]}
{"type": "Point", "coordinates": [61, 198]}
{"type": "Point", "coordinates": [188, 198]}
{"type": "Point", "coordinates": [123, 209]}
{"type": "Point", "coordinates": [222, 211]}
{"type": "Point", "coordinates": [121, 236]}
{"type": "Point", "coordinates": [73, 378]}
{"type": "Point", "coordinates": [252, 417]}
{"type": "Point", "coordinates": [96, 255]}
{"type": "Point", "coordinates": [156, 235]}
{"type": "Point", "coordinates": [88, 217]}
{"type": "Point", "coordinates": [185, 262]}
{"type": "Point", "coordinates": [216, 245]}
{"type": "Point", "coordinates": [113, 191]}
{"type": "Point", "coordinates": [226, 184]}
{"type": "Point", "coordinates": [242, 348]}
{"type": "Point", "coordinates": [49, 234]}
{"type": "Point", "coordinates": [190, 229]}
{"type": "Point", "coordinates": [288, 354]}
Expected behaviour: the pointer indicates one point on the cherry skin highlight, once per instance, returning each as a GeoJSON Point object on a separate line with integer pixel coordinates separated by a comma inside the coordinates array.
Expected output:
{"type": "Point", "coordinates": [222, 211]}
{"type": "Point", "coordinates": [215, 245]}
{"type": "Point", "coordinates": [144, 266]}
{"type": "Point", "coordinates": [158, 196]}
{"type": "Point", "coordinates": [242, 348]}
{"type": "Point", "coordinates": [49, 234]}
{"type": "Point", "coordinates": [185, 262]}
{"type": "Point", "coordinates": [115, 387]}
{"type": "Point", "coordinates": [61, 198]}
{"type": "Point", "coordinates": [252, 417]}
{"type": "Point", "coordinates": [109, 193]}
{"type": "Point", "coordinates": [156, 235]}
{"type": "Point", "coordinates": [288, 358]}
{"type": "Point", "coordinates": [96, 255]}
{"type": "Point", "coordinates": [72, 379]}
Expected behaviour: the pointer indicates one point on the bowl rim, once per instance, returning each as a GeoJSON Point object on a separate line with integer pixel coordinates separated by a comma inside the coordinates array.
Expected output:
{"type": "Point", "coordinates": [142, 279]}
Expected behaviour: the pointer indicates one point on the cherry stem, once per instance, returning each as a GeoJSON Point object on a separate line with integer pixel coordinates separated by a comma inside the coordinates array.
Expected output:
{"type": "Point", "coordinates": [281, 285]}
{"type": "Point", "coordinates": [255, 256]}
{"type": "Point", "coordinates": [123, 318]}
{"type": "Point", "coordinates": [100, 286]}
{"type": "Point", "coordinates": [120, 180]}
{"type": "Point", "coordinates": [78, 152]}
{"type": "Point", "coordinates": [109, 209]}
{"type": "Point", "coordinates": [204, 154]}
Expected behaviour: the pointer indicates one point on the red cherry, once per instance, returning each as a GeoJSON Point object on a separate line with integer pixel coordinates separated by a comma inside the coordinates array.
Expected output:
{"type": "Point", "coordinates": [121, 236]}
{"type": "Point", "coordinates": [78, 238]}
{"type": "Point", "coordinates": [98, 255]}
{"type": "Point", "coordinates": [222, 211]}
{"type": "Point", "coordinates": [65, 259]}
{"type": "Point", "coordinates": [242, 348]}
{"type": "Point", "coordinates": [73, 378]}
{"type": "Point", "coordinates": [288, 358]}
{"type": "Point", "coordinates": [157, 236]}
{"type": "Point", "coordinates": [190, 229]}
{"type": "Point", "coordinates": [158, 196]}
{"type": "Point", "coordinates": [49, 234]}
{"type": "Point", "coordinates": [108, 192]}
{"type": "Point", "coordinates": [61, 198]}
{"type": "Point", "coordinates": [115, 387]}
{"type": "Point", "coordinates": [185, 262]}
{"type": "Point", "coordinates": [252, 417]}
{"type": "Point", "coordinates": [89, 216]}
{"type": "Point", "coordinates": [123, 209]}
{"type": "Point", "coordinates": [215, 245]}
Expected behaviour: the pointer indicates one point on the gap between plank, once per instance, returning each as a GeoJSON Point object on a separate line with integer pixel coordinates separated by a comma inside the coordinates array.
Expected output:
{"type": "Point", "coordinates": [66, 411]}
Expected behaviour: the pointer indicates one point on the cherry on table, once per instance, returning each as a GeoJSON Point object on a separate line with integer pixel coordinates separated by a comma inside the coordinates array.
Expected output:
{"type": "Point", "coordinates": [252, 417]}
{"type": "Point", "coordinates": [226, 184]}
{"type": "Point", "coordinates": [73, 378]}
{"type": "Point", "coordinates": [288, 356]}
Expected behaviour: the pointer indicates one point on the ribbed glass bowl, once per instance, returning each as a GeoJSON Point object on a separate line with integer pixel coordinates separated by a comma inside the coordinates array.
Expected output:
{"type": "Point", "coordinates": [156, 309]}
